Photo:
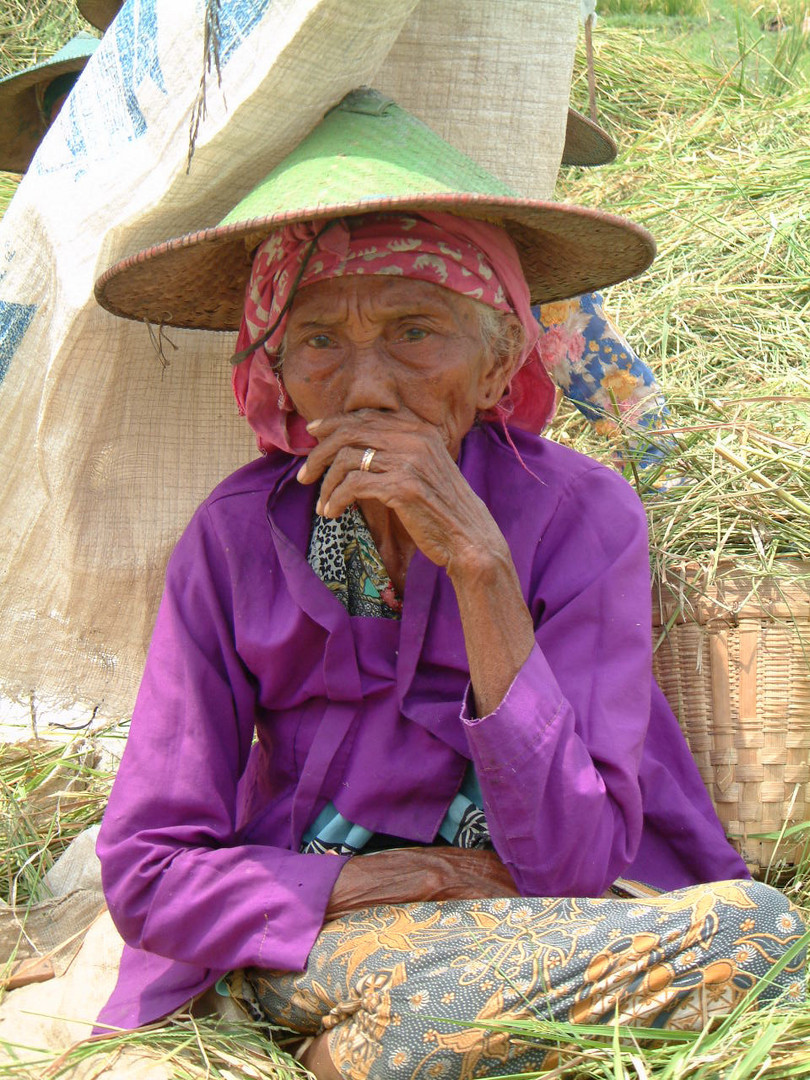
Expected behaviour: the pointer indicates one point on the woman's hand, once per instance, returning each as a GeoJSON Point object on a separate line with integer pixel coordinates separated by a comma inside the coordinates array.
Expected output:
{"type": "Point", "coordinates": [408, 875]}
{"type": "Point", "coordinates": [411, 473]}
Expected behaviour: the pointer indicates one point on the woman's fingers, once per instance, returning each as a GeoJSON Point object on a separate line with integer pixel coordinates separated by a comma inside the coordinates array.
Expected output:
{"type": "Point", "coordinates": [348, 460]}
{"type": "Point", "coordinates": [384, 457]}
{"type": "Point", "coordinates": [401, 432]}
{"type": "Point", "coordinates": [402, 462]}
{"type": "Point", "coordinates": [338, 494]}
{"type": "Point", "coordinates": [342, 445]}
{"type": "Point", "coordinates": [343, 442]}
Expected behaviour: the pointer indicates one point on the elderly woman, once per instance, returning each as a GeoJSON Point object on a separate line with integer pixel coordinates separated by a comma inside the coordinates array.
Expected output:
{"type": "Point", "coordinates": [398, 764]}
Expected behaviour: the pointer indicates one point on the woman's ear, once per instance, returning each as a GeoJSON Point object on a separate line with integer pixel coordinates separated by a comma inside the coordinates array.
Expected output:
{"type": "Point", "coordinates": [502, 363]}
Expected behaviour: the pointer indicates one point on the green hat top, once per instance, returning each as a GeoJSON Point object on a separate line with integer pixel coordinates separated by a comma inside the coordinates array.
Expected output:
{"type": "Point", "coordinates": [368, 154]}
{"type": "Point", "coordinates": [364, 149]}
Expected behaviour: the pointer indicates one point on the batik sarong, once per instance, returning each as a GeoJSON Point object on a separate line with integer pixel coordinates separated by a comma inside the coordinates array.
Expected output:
{"type": "Point", "coordinates": [400, 989]}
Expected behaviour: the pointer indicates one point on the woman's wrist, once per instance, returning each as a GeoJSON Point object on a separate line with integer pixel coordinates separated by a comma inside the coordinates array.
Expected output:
{"type": "Point", "coordinates": [485, 565]}
{"type": "Point", "coordinates": [497, 624]}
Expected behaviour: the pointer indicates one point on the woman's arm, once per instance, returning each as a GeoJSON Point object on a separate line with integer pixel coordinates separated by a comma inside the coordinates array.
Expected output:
{"type": "Point", "coordinates": [177, 880]}
{"type": "Point", "coordinates": [418, 483]}
{"type": "Point", "coordinates": [498, 630]}
{"type": "Point", "coordinates": [558, 759]}
{"type": "Point", "coordinates": [403, 875]}
{"type": "Point", "coordinates": [561, 676]}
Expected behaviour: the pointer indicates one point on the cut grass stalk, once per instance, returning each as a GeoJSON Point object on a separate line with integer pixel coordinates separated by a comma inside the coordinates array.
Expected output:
{"type": "Point", "coordinates": [32, 30]}
{"type": "Point", "coordinates": [194, 1048]}
{"type": "Point", "coordinates": [49, 793]}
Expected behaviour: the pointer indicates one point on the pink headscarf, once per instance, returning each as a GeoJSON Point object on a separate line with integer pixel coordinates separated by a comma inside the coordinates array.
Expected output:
{"type": "Point", "coordinates": [467, 256]}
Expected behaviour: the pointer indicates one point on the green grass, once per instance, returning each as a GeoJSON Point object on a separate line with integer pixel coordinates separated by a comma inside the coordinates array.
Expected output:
{"type": "Point", "coordinates": [765, 44]}
{"type": "Point", "coordinates": [32, 30]}
{"type": "Point", "coordinates": [194, 1048]}
{"type": "Point", "coordinates": [8, 185]}
{"type": "Point", "coordinates": [49, 793]}
{"type": "Point", "coordinates": [718, 173]}
{"type": "Point", "coordinates": [646, 9]}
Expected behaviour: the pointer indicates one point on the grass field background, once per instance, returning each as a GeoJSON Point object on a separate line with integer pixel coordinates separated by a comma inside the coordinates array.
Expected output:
{"type": "Point", "coordinates": [709, 102]}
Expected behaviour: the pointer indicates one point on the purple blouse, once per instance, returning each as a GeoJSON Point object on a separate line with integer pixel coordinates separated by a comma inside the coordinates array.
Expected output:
{"type": "Point", "coordinates": [584, 772]}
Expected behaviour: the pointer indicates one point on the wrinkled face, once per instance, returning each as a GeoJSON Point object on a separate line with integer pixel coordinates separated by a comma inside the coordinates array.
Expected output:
{"type": "Point", "coordinates": [389, 344]}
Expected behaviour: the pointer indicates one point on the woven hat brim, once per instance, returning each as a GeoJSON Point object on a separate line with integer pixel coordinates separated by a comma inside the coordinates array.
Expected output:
{"type": "Point", "coordinates": [83, 46]}
{"type": "Point", "coordinates": [99, 13]}
{"type": "Point", "coordinates": [586, 143]}
{"type": "Point", "coordinates": [21, 126]}
{"type": "Point", "coordinates": [198, 281]}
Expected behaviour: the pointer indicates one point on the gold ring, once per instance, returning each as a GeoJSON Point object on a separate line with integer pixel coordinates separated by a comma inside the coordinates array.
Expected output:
{"type": "Point", "coordinates": [366, 459]}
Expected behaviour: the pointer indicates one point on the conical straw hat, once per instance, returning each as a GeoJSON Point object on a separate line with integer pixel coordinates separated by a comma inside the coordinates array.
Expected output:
{"type": "Point", "coordinates": [22, 123]}
{"type": "Point", "coordinates": [99, 13]}
{"type": "Point", "coordinates": [369, 154]}
{"type": "Point", "coordinates": [586, 143]}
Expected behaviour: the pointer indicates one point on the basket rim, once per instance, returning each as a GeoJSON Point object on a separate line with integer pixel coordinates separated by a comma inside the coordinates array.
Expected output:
{"type": "Point", "coordinates": [733, 594]}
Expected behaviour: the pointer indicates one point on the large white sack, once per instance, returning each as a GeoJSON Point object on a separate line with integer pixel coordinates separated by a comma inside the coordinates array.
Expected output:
{"type": "Point", "coordinates": [108, 446]}
{"type": "Point", "coordinates": [106, 450]}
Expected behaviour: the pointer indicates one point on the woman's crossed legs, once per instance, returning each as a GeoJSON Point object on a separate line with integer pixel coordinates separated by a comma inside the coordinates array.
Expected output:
{"type": "Point", "coordinates": [392, 991]}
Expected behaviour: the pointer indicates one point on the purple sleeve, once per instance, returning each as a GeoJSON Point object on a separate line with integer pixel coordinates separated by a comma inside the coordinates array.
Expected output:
{"type": "Point", "coordinates": [558, 760]}
{"type": "Point", "coordinates": [178, 882]}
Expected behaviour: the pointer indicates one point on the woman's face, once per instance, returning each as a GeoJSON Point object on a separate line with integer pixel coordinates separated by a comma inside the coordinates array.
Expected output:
{"type": "Point", "coordinates": [389, 344]}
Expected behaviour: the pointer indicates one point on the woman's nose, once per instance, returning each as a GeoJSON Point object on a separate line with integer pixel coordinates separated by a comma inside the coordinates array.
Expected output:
{"type": "Point", "coordinates": [369, 379]}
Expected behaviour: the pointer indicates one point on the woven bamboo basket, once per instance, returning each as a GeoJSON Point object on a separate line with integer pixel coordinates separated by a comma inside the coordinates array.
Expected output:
{"type": "Point", "coordinates": [733, 660]}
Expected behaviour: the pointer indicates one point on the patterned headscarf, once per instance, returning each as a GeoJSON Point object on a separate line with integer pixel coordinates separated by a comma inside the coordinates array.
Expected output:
{"type": "Point", "coordinates": [469, 257]}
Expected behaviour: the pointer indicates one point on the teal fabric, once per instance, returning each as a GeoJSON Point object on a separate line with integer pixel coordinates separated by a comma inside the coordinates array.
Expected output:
{"type": "Point", "coordinates": [331, 831]}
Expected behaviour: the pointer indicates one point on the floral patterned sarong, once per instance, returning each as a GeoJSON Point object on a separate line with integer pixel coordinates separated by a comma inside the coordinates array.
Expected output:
{"type": "Point", "coordinates": [399, 988]}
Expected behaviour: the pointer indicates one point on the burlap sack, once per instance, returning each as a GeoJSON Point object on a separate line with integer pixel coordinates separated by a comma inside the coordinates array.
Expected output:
{"type": "Point", "coordinates": [491, 78]}
{"type": "Point", "coordinates": [106, 448]}
{"type": "Point", "coordinates": [113, 433]}
{"type": "Point", "coordinates": [40, 1021]}
{"type": "Point", "coordinates": [38, 941]}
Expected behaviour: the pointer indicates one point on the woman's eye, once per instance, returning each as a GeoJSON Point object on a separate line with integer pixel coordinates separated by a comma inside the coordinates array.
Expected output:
{"type": "Point", "coordinates": [319, 341]}
{"type": "Point", "coordinates": [414, 333]}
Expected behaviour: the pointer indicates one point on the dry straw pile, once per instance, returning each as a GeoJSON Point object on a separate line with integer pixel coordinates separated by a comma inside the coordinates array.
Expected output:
{"type": "Point", "coordinates": [717, 167]}
{"type": "Point", "coordinates": [32, 30]}
{"type": "Point", "coordinates": [715, 159]}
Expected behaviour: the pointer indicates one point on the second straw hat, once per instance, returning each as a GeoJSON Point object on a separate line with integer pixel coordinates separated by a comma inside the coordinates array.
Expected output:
{"type": "Point", "coordinates": [586, 143]}
{"type": "Point", "coordinates": [368, 154]}
{"type": "Point", "coordinates": [23, 104]}
{"type": "Point", "coordinates": [99, 13]}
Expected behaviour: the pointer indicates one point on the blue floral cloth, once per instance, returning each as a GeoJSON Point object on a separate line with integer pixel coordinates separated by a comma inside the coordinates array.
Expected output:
{"type": "Point", "coordinates": [597, 370]}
